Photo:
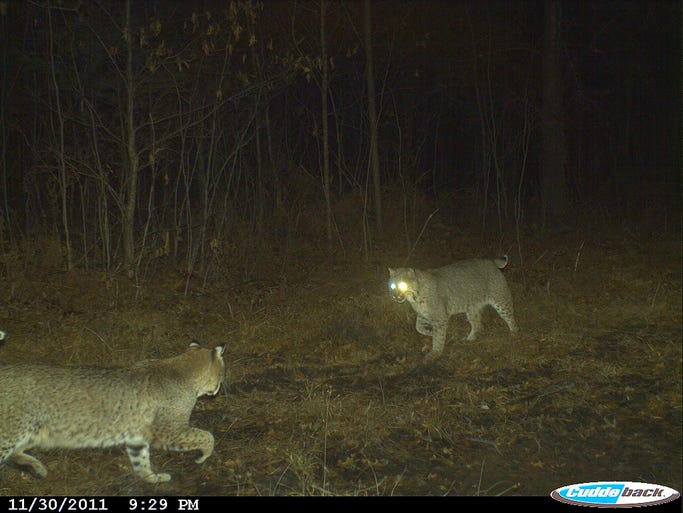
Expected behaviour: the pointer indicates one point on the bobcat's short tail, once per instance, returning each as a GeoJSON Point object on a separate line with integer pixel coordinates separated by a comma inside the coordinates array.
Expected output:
{"type": "Point", "coordinates": [501, 262]}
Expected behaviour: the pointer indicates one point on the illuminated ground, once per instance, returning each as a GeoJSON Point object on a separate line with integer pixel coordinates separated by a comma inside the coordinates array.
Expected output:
{"type": "Point", "coordinates": [326, 393]}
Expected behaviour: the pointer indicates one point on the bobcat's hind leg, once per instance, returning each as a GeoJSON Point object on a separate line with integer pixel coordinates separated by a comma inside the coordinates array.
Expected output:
{"type": "Point", "coordinates": [507, 313]}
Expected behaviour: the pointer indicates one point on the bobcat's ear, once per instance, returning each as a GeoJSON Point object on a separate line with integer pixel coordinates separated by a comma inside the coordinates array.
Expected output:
{"type": "Point", "coordinates": [411, 272]}
{"type": "Point", "coordinates": [218, 351]}
{"type": "Point", "coordinates": [391, 271]}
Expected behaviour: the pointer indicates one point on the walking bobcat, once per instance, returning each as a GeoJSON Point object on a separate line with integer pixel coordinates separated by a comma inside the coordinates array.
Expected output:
{"type": "Point", "coordinates": [147, 404]}
{"type": "Point", "coordinates": [463, 287]}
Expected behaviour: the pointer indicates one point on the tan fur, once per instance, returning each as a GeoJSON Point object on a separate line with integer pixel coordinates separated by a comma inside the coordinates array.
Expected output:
{"type": "Point", "coordinates": [463, 287]}
{"type": "Point", "coordinates": [148, 404]}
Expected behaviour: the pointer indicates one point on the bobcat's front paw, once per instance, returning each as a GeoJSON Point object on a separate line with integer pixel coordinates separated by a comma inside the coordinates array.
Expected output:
{"type": "Point", "coordinates": [471, 336]}
{"type": "Point", "coordinates": [157, 478]}
{"type": "Point", "coordinates": [432, 356]}
{"type": "Point", "coordinates": [205, 444]}
{"type": "Point", "coordinates": [203, 457]}
{"type": "Point", "coordinates": [207, 450]}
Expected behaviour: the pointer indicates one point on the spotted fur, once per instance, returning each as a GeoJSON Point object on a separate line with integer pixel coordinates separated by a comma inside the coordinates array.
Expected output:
{"type": "Point", "coordinates": [463, 287]}
{"type": "Point", "coordinates": [146, 405]}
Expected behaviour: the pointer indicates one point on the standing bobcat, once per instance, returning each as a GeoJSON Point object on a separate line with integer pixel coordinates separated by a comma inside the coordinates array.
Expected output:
{"type": "Point", "coordinates": [150, 403]}
{"type": "Point", "coordinates": [463, 287]}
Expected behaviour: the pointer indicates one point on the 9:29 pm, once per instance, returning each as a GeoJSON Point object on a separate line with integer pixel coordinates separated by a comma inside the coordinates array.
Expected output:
{"type": "Point", "coordinates": [147, 504]}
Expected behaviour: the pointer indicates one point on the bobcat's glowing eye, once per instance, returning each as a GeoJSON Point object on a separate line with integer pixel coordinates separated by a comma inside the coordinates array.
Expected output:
{"type": "Point", "coordinates": [402, 286]}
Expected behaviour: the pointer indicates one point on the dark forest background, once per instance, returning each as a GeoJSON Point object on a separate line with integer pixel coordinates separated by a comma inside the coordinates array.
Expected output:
{"type": "Point", "coordinates": [198, 132]}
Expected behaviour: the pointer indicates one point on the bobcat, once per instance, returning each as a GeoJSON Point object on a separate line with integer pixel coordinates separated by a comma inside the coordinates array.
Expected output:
{"type": "Point", "coordinates": [463, 287]}
{"type": "Point", "coordinates": [147, 404]}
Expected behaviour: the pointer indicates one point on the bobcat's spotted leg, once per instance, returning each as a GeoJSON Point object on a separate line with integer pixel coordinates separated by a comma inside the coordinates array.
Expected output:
{"type": "Point", "coordinates": [188, 439]}
{"type": "Point", "coordinates": [438, 340]}
{"type": "Point", "coordinates": [506, 312]}
{"type": "Point", "coordinates": [139, 458]}
{"type": "Point", "coordinates": [423, 326]}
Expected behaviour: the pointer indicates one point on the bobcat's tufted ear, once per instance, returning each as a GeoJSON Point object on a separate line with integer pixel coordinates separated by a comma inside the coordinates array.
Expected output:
{"type": "Point", "coordinates": [219, 350]}
{"type": "Point", "coordinates": [391, 271]}
{"type": "Point", "coordinates": [411, 272]}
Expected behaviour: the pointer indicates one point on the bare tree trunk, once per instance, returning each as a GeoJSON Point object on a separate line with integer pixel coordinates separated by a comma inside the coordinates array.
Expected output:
{"type": "Point", "coordinates": [326, 154]}
{"type": "Point", "coordinates": [63, 186]}
{"type": "Point", "coordinates": [554, 153]}
{"type": "Point", "coordinates": [277, 190]}
{"type": "Point", "coordinates": [374, 152]}
{"type": "Point", "coordinates": [130, 187]}
{"type": "Point", "coordinates": [261, 190]}
{"type": "Point", "coordinates": [5, 52]}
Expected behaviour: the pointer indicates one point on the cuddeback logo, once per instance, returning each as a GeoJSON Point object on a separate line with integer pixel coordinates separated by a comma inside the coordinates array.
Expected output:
{"type": "Point", "coordinates": [620, 494]}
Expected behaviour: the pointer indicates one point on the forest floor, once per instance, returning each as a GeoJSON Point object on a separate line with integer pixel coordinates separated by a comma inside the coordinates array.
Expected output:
{"type": "Point", "coordinates": [326, 392]}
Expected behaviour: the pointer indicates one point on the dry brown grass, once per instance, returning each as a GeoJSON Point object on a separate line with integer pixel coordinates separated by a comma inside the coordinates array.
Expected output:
{"type": "Point", "coordinates": [326, 393]}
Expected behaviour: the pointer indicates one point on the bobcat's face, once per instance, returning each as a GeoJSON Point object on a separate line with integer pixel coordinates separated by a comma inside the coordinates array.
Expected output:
{"type": "Point", "coordinates": [215, 371]}
{"type": "Point", "coordinates": [206, 366]}
{"type": "Point", "coordinates": [401, 284]}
